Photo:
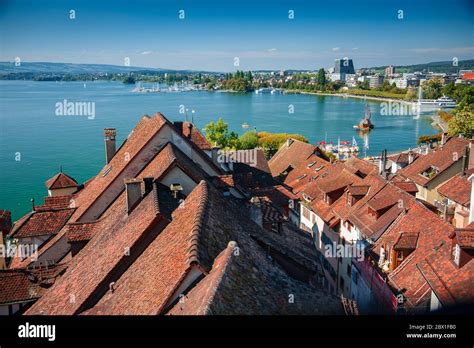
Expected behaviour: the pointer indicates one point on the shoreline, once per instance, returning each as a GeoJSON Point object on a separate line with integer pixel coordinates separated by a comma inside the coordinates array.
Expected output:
{"type": "Point", "coordinates": [348, 95]}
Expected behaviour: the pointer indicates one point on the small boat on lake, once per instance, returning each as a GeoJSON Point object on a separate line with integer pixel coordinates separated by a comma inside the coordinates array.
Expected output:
{"type": "Point", "coordinates": [365, 124]}
{"type": "Point", "coordinates": [245, 125]}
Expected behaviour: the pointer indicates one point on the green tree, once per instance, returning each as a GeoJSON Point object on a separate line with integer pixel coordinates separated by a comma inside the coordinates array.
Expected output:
{"type": "Point", "coordinates": [321, 78]}
{"type": "Point", "coordinates": [217, 133]}
{"type": "Point", "coordinates": [249, 140]}
{"type": "Point", "coordinates": [129, 80]}
{"type": "Point", "coordinates": [432, 89]}
{"type": "Point", "coordinates": [463, 122]}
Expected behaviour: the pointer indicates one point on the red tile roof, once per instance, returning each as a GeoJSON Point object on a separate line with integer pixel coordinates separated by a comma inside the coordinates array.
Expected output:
{"type": "Point", "coordinates": [468, 76]}
{"type": "Point", "coordinates": [142, 134]}
{"type": "Point", "coordinates": [16, 287]}
{"type": "Point", "coordinates": [194, 238]}
{"type": "Point", "coordinates": [458, 188]}
{"type": "Point", "coordinates": [42, 223]}
{"type": "Point", "coordinates": [407, 240]}
{"type": "Point", "coordinates": [191, 132]}
{"type": "Point", "coordinates": [407, 186]}
{"type": "Point", "coordinates": [432, 239]}
{"type": "Point", "coordinates": [59, 181]}
{"type": "Point", "coordinates": [311, 169]}
{"type": "Point", "coordinates": [102, 256]}
{"type": "Point", "coordinates": [389, 201]}
{"type": "Point", "coordinates": [58, 202]}
{"type": "Point", "coordinates": [237, 285]}
{"type": "Point", "coordinates": [294, 154]}
{"type": "Point", "coordinates": [357, 165]}
{"type": "Point", "coordinates": [442, 159]}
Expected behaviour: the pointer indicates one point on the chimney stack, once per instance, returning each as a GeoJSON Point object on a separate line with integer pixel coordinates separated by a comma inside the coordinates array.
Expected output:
{"type": "Point", "coordinates": [443, 139]}
{"type": "Point", "coordinates": [109, 138]}
{"type": "Point", "coordinates": [133, 189]}
{"type": "Point", "coordinates": [410, 156]}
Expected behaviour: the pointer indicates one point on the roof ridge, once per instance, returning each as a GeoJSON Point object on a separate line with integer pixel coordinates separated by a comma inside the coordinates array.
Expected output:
{"type": "Point", "coordinates": [227, 256]}
{"type": "Point", "coordinates": [193, 250]}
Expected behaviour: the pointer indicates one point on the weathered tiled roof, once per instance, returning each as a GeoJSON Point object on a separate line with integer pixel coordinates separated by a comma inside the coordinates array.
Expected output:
{"type": "Point", "coordinates": [40, 223]}
{"type": "Point", "coordinates": [293, 154]}
{"type": "Point", "coordinates": [432, 240]}
{"type": "Point", "coordinates": [458, 188]}
{"type": "Point", "coordinates": [442, 159]}
{"type": "Point", "coordinates": [16, 286]}
{"type": "Point", "coordinates": [59, 181]}
{"type": "Point", "coordinates": [191, 132]}
{"type": "Point", "coordinates": [107, 251]}
{"type": "Point", "coordinates": [195, 237]}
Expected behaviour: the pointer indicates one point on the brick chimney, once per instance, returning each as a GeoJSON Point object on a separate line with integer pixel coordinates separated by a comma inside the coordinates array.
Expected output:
{"type": "Point", "coordinates": [133, 189]}
{"type": "Point", "coordinates": [109, 138]}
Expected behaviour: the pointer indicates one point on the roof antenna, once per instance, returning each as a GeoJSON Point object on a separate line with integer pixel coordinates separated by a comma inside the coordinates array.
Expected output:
{"type": "Point", "coordinates": [33, 203]}
{"type": "Point", "coordinates": [60, 168]}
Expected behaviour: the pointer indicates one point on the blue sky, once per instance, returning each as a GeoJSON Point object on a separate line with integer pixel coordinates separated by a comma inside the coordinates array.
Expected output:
{"type": "Point", "coordinates": [260, 33]}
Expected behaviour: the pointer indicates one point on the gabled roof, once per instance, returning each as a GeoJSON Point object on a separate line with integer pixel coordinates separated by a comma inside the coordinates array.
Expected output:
{"type": "Point", "coordinates": [458, 188]}
{"type": "Point", "coordinates": [16, 287]}
{"type": "Point", "coordinates": [60, 181]}
{"type": "Point", "coordinates": [191, 132]}
{"type": "Point", "coordinates": [433, 239]}
{"type": "Point", "coordinates": [102, 257]}
{"type": "Point", "coordinates": [292, 152]}
{"type": "Point", "coordinates": [389, 201]}
{"type": "Point", "coordinates": [359, 166]}
{"type": "Point", "coordinates": [311, 169]}
{"type": "Point", "coordinates": [235, 285]}
{"type": "Point", "coordinates": [40, 223]}
{"type": "Point", "coordinates": [194, 239]}
{"type": "Point", "coordinates": [441, 159]}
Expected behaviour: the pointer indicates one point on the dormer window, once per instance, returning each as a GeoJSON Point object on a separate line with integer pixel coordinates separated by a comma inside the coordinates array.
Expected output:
{"type": "Point", "coordinates": [462, 246]}
{"type": "Point", "coordinates": [431, 172]}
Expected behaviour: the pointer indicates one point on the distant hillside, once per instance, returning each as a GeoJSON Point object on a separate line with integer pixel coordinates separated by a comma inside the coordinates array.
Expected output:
{"type": "Point", "coordinates": [72, 69]}
{"type": "Point", "coordinates": [446, 66]}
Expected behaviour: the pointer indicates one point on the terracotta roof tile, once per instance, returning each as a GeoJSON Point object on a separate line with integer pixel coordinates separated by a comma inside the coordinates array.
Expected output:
{"type": "Point", "coordinates": [42, 223]}
{"type": "Point", "coordinates": [458, 188]}
{"type": "Point", "coordinates": [96, 262]}
{"type": "Point", "coordinates": [16, 286]}
{"type": "Point", "coordinates": [59, 181]}
{"type": "Point", "coordinates": [192, 133]}
{"type": "Point", "coordinates": [441, 159]}
{"type": "Point", "coordinates": [294, 154]}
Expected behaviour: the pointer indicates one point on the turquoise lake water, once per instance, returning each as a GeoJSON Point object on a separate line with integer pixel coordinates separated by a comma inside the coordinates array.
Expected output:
{"type": "Point", "coordinates": [30, 128]}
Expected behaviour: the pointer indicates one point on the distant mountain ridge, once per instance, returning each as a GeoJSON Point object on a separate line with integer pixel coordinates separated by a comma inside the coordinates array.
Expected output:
{"type": "Point", "coordinates": [444, 66]}
{"type": "Point", "coordinates": [75, 69]}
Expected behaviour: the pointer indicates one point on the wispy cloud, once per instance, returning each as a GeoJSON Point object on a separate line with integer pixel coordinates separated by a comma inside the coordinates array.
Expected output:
{"type": "Point", "coordinates": [335, 49]}
{"type": "Point", "coordinates": [272, 50]}
{"type": "Point", "coordinates": [146, 53]}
